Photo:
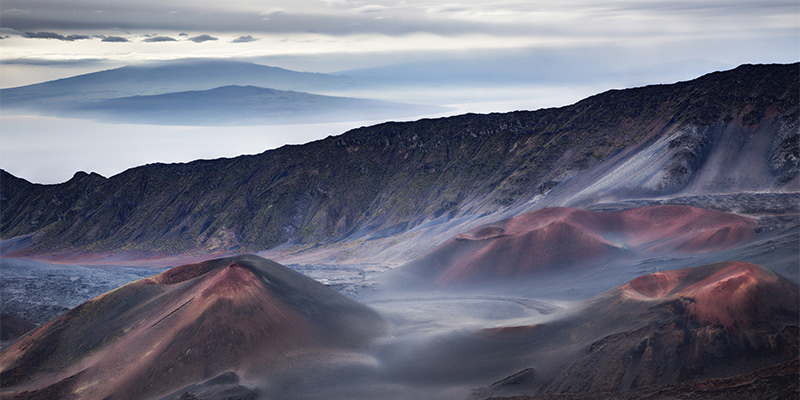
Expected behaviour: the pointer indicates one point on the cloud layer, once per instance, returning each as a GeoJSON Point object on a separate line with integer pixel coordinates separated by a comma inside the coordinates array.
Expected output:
{"type": "Point", "coordinates": [244, 39]}
{"type": "Point", "coordinates": [341, 17]}
{"type": "Point", "coordinates": [114, 39]}
{"type": "Point", "coordinates": [157, 39]}
{"type": "Point", "coordinates": [202, 38]}
{"type": "Point", "coordinates": [53, 35]}
{"type": "Point", "coordinates": [635, 31]}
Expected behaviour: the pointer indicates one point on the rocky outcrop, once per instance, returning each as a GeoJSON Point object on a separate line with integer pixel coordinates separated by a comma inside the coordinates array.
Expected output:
{"type": "Point", "coordinates": [392, 177]}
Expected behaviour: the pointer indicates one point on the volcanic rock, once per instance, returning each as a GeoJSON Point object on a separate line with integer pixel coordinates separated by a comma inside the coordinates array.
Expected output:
{"type": "Point", "coordinates": [679, 328]}
{"type": "Point", "coordinates": [183, 326]}
{"type": "Point", "coordinates": [390, 178]}
{"type": "Point", "coordinates": [564, 238]}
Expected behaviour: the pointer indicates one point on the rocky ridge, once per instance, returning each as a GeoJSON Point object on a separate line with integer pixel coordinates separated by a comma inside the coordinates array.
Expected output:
{"type": "Point", "coordinates": [383, 180]}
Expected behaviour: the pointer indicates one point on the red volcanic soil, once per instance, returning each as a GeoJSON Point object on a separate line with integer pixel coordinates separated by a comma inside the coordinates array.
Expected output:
{"type": "Point", "coordinates": [684, 228]}
{"type": "Point", "coordinates": [184, 326]}
{"type": "Point", "coordinates": [183, 273]}
{"type": "Point", "coordinates": [524, 252]}
{"type": "Point", "coordinates": [730, 294]}
{"type": "Point", "coordinates": [555, 238]}
{"type": "Point", "coordinates": [678, 327]}
{"type": "Point", "coordinates": [685, 325]}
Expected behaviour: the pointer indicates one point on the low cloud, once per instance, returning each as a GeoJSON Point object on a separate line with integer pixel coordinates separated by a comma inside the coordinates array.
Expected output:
{"type": "Point", "coordinates": [11, 32]}
{"type": "Point", "coordinates": [48, 62]}
{"type": "Point", "coordinates": [512, 17]}
{"type": "Point", "coordinates": [274, 11]}
{"type": "Point", "coordinates": [158, 39]}
{"type": "Point", "coordinates": [53, 35]}
{"type": "Point", "coordinates": [202, 38]}
{"type": "Point", "coordinates": [244, 39]}
{"type": "Point", "coordinates": [115, 39]}
{"type": "Point", "coordinates": [370, 9]}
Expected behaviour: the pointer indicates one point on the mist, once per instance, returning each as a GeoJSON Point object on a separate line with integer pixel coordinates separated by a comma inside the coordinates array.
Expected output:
{"type": "Point", "coordinates": [49, 150]}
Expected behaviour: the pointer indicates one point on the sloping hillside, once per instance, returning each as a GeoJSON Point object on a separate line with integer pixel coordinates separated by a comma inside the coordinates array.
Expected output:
{"type": "Point", "coordinates": [185, 325]}
{"type": "Point", "coordinates": [386, 179]}
{"type": "Point", "coordinates": [672, 330]}
{"type": "Point", "coordinates": [568, 239]}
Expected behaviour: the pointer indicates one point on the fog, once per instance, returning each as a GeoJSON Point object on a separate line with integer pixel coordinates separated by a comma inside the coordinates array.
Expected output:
{"type": "Point", "coordinates": [457, 342]}
{"type": "Point", "coordinates": [50, 149]}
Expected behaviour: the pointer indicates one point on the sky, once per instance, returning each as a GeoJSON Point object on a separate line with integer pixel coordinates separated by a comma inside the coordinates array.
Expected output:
{"type": "Point", "coordinates": [330, 35]}
{"type": "Point", "coordinates": [50, 39]}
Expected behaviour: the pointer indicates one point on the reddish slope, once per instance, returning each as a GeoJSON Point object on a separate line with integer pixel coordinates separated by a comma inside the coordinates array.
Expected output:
{"type": "Point", "coordinates": [683, 228]}
{"type": "Point", "coordinates": [684, 325]}
{"type": "Point", "coordinates": [181, 327]}
{"type": "Point", "coordinates": [559, 237]}
{"type": "Point", "coordinates": [668, 328]}
{"type": "Point", "coordinates": [732, 294]}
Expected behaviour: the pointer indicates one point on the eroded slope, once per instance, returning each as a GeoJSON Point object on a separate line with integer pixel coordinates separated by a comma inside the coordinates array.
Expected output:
{"type": "Point", "coordinates": [243, 314]}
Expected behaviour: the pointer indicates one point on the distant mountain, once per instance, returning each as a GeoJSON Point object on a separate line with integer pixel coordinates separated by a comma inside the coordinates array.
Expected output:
{"type": "Point", "coordinates": [203, 92]}
{"type": "Point", "coordinates": [218, 319]}
{"type": "Point", "coordinates": [721, 134]}
{"type": "Point", "coordinates": [165, 77]}
{"type": "Point", "coordinates": [243, 105]}
{"type": "Point", "coordinates": [568, 239]}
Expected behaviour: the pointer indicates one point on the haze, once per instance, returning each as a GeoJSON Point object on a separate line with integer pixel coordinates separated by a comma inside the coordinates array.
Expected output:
{"type": "Point", "coordinates": [640, 243]}
{"type": "Point", "coordinates": [476, 56]}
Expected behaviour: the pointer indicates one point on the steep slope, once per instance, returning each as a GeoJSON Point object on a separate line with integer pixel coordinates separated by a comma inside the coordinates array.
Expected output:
{"type": "Point", "coordinates": [567, 239]}
{"type": "Point", "coordinates": [682, 328]}
{"type": "Point", "coordinates": [705, 322]}
{"type": "Point", "coordinates": [244, 314]}
{"type": "Point", "coordinates": [387, 179]}
{"type": "Point", "coordinates": [243, 105]}
{"type": "Point", "coordinates": [775, 382]}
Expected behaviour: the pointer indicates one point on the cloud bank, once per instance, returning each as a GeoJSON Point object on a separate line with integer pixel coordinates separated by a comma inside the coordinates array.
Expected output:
{"type": "Point", "coordinates": [392, 18]}
{"type": "Point", "coordinates": [158, 39]}
{"type": "Point", "coordinates": [202, 38]}
{"type": "Point", "coordinates": [244, 39]}
{"type": "Point", "coordinates": [114, 39]}
{"type": "Point", "coordinates": [53, 35]}
{"type": "Point", "coordinates": [635, 31]}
